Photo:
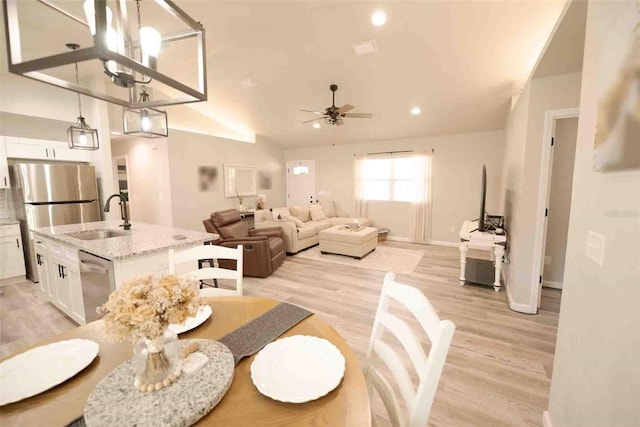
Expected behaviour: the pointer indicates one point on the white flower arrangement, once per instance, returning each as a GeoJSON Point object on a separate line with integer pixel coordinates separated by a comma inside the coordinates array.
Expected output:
{"type": "Point", "coordinates": [145, 306]}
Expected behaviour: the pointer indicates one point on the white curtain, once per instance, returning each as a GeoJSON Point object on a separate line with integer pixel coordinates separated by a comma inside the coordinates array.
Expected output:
{"type": "Point", "coordinates": [359, 202]}
{"type": "Point", "coordinates": [420, 219]}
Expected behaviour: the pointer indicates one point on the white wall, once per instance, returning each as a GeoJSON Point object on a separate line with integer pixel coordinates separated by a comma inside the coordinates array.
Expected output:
{"type": "Point", "coordinates": [456, 178]}
{"type": "Point", "coordinates": [596, 373]}
{"type": "Point", "coordinates": [521, 174]}
{"type": "Point", "coordinates": [564, 153]}
{"type": "Point", "coordinates": [149, 178]}
{"type": "Point", "coordinates": [33, 109]}
{"type": "Point", "coordinates": [188, 151]}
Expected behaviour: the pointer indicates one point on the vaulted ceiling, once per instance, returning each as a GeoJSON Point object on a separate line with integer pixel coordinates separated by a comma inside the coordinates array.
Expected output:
{"type": "Point", "coordinates": [459, 61]}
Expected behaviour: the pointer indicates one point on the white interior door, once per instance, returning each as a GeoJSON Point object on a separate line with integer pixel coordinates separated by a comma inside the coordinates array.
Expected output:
{"type": "Point", "coordinates": [301, 182]}
{"type": "Point", "coordinates": [546, 215]}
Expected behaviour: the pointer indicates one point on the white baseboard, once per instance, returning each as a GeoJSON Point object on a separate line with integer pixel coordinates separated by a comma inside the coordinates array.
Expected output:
{"type": "Point", "coordinates": [398, 239]}
{"type": "Point", "coordinates": [546, 419]}
{"type": "Point", "coordinates": [444, 243]}
{"type": "Point", "coordinates": [550, 284]}
{"type": "Point", "coordinates": [520, 308]}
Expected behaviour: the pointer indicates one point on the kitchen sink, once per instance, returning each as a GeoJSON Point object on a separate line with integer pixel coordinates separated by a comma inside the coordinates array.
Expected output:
{"type": "Point", "coordinates": [98, 234]}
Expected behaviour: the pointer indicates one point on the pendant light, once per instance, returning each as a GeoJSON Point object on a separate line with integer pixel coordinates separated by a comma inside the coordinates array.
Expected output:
{"type": "Point", "coordinates": [81, 135]}
{"type": "Point", "coordinates": [145, 122]}
{"type": "Point", "coordinates": [127, 53]}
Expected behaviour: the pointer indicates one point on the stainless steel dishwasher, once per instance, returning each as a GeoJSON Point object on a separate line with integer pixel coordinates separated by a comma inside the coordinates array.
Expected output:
{"type": "Point", "coordinates": [98, 281]}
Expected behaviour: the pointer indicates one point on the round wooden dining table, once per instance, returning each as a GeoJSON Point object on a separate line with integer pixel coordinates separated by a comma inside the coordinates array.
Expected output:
{"type": "Point", "coordinates": [243, 405]}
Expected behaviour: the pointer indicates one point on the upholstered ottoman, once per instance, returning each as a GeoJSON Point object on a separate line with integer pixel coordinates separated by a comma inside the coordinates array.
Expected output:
{"type": "Point", "coordinates": [340, 240]}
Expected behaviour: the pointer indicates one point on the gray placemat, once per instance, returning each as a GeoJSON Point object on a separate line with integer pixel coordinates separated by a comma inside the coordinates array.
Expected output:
{"type": "Point", "coordinates": [116, 402]}
{"type": "Point", "coordinates": [252, 337]}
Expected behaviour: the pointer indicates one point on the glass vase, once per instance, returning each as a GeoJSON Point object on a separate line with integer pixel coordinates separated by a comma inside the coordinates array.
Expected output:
{"type": "Point", "coordinates": [156, 359]}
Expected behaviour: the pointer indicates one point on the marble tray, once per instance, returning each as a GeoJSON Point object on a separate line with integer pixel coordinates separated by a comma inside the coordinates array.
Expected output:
{"type": "Point", "coordinates": [115, 401]}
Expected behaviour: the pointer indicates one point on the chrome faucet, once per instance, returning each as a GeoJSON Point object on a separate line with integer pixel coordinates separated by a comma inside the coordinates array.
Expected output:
{"type": "Point", "coordinates": [123, 209]}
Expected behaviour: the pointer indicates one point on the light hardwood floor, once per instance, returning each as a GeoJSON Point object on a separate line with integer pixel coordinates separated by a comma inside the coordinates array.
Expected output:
{"type": "Point", "coordinates": [498, 369]}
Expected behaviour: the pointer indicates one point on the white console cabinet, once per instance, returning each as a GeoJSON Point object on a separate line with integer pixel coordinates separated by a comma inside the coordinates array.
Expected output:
{"type": "Point", "coordinates": [40, 149]}
{"type": "Point", "coordinates": [482, 271]}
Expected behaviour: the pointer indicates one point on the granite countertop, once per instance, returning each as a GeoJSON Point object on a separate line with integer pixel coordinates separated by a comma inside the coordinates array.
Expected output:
{"type": "Point", "coordinates": [140, 240]}
{"type": "Point", "coordinates": [8, 222]}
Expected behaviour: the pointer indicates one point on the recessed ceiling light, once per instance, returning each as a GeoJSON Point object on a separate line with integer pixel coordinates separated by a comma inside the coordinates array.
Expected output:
{"type": "Point", "coordinates": [364, 48]}
{"type": "Point", "coordinates": [415, 111]}
{"type": "Point", "coordinates": [248, 83]}
{"type": "Point", "coordinates": [379, 18]}
{"type": "Point", "coordinates": [316, 125]}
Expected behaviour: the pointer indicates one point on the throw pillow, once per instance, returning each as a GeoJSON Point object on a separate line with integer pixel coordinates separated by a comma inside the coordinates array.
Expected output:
{"type": "Point", "coordinates": [329, 208]}
{"type": "Point", "coordinates": [288, 218]}
{"type": "Point", "coordinates": [267, 215]}
{"type": "Point", "coordinates": [281, 211]}
{"type": "Point", "coordinates": [300, 212]}
{"type": "Point", "coordinates": [317, 213]}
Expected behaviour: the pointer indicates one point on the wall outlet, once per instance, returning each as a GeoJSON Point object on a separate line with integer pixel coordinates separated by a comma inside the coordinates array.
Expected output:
{"type": "Point", "coordinates": [594, 248]}
{"type": "Point", "coordinates": [547, 260]}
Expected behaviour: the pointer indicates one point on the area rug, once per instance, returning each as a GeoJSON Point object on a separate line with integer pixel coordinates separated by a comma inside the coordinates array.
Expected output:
{"type": "Point", "coordinates": [384, 258]}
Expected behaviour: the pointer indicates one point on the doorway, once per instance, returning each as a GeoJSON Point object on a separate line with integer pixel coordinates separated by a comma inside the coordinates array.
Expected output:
{"type": "Point", "coordinates": [556, 181]}
{"type": "Point", "coordinates": [301, 182]}
{"type": "Point", "coordinates": [121, 178]}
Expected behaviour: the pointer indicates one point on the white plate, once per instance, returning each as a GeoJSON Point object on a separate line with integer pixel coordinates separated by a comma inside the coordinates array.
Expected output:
{"type": "Point", "coordinates": [41, 368]}
{"type": "Point", "coordinates": [297, 369]}
{"type": "Point", "coordinates": [204, 312]}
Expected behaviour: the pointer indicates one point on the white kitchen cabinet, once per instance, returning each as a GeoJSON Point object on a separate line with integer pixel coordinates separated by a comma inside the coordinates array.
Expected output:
{"type": "Point", "coordinates": [75, 287]}
{"type": "Point", "coordinates": [40, 149]}
{"type": "Point", "coordinates": [4, 167]}
{"type": "Point", "coordinates": [42, 261]}
{"type": "Point", "coordinates": [58, 265]}
{"type": "Point", "coordinates": [62, 286]}
{"type": "Point", "coordinates": [11, 255]}
{"type": "Point", "coordinates": [61, 151]}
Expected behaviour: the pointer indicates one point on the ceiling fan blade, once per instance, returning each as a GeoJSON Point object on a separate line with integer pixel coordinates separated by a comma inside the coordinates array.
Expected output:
{"type": "Point", "coordinates": [345, 108]}
{"type": "Point", "coordinates": [358, 115]}
{"type": "Point", "coordinates": [314, 112]}
{"type": "Point", "coordinates": [313, 120]}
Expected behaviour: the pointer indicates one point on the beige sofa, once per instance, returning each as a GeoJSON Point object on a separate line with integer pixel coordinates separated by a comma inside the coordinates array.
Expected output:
{"type": "Point", "coordinates": [306, 233]}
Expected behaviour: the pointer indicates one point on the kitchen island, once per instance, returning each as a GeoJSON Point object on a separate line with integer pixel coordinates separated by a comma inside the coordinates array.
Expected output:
{"type": "Point", "coordinates": [80, 264]}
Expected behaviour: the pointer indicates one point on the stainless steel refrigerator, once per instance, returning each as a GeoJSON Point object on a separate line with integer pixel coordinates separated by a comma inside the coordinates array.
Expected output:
{"type": "Point", "coordinates": [46, 194]}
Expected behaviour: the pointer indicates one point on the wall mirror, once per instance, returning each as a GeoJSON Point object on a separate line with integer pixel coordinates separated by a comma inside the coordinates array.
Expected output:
{"type": "Point", "coordinates": [240, 180]}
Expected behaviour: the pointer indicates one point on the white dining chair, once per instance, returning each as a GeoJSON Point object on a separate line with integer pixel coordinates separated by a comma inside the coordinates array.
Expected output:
{"type": "Point", "coordinates": [417, 401]}
{"type": "Point", "coordinates": [216, 252]}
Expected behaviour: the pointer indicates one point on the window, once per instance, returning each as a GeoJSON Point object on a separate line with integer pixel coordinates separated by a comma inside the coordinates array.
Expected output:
{"type": "Point", "coordinates": [392, 179]}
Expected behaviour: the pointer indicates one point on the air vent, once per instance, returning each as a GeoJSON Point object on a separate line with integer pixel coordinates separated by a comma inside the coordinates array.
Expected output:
{"type": "Point", "coordinates": [365, 48]}
{"type": "Point", "coordinates": [248, 83]}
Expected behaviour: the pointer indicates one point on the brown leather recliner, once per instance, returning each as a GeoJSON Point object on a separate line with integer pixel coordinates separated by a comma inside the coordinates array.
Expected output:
{"type": "Point", "coordinates": [263, 248]}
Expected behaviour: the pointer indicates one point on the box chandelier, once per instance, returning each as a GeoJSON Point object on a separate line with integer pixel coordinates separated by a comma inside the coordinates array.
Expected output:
{"type": "Point", "coordinates": [131, 64]}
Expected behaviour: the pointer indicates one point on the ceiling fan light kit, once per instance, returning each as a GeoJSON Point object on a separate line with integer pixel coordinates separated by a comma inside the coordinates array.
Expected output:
{"type": "Point", "coordinates": [334, 115]}
{"type": "Point", "coordinates": [129, 54]}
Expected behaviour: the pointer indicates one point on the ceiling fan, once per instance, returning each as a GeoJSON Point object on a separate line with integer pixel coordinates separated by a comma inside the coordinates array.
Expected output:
{"type": "Point", "coordinates": [333, 115]}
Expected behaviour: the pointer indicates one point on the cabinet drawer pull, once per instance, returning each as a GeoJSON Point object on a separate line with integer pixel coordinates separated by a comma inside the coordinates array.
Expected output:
{"type": "Point", "coordinates": [63, 273]}
{"type": "Point", "coordinates": [54, 152]}
{"type": "Point", "coordinates": [46, 151]}
{"type": "Point", "coordinates": [17, 243]}
{"type": "Point", "coordinates": [5, 181]}
{"type": "Point", "coordinates": [59, 270]}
